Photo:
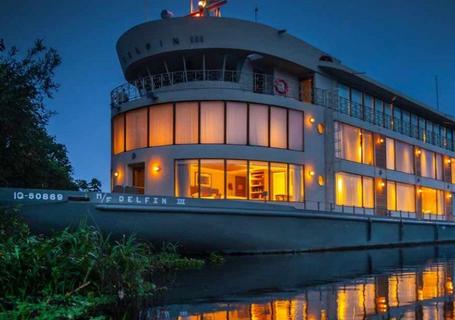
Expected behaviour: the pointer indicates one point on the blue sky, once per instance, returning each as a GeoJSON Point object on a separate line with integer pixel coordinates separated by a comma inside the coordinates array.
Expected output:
{"type": "Point", "coordinates": [401, 43]}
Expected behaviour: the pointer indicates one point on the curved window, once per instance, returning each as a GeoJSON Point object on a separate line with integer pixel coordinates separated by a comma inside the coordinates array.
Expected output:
{"type": "Point", "coordinates": [161, 125]}
{"type": "Point", "coordinates": [278, 136]}
{"type": "Point", "coordinates": [136, 129]}
{"type": "Point", "coordinates": [259, 125]}
{"type": "Point", "coordinates": [118, 134]}
{"type": "Point", "coordinates": [236, 125]}
{"type": "Point", "coordinates": [239, 179]}
{"type": "Point", "coordinates": [210, 122]}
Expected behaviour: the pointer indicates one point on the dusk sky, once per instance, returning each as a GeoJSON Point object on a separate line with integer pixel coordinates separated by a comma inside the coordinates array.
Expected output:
{"type": "Point", "coordinates": [402, 44]}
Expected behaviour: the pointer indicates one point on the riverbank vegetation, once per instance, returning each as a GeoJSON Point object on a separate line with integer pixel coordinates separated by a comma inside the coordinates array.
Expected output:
{"type": "Point", "coordinates": [74, 273]}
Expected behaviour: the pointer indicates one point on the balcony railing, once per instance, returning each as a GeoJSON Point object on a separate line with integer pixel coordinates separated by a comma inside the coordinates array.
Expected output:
{"type": "Point", "coordinates": [331, 99]}
{"type": "Point", "coordinates": [222, 79]}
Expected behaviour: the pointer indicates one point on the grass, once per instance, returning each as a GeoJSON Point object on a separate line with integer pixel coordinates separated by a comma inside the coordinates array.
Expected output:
{"type": "Point", "coordinates": [73, 273]}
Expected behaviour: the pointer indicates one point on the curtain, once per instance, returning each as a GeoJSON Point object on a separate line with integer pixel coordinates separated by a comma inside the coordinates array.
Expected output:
{"type": "Point", "coordinates": [427, 162]}
{"type": "Point", "coordinates": [278, 125]}
{"type": "Point", "coordinates": [136, 129]}
{"type": "Point", "coordinates": [236, 115]}
{"type": "Point", "coordinates": [404, 153]}
{"type": "Point", "coordinates": [390, 153]}
{"type": "Point", "coordinates": [295, 130]}
{"type": "Point", "coordinates": [161, 125]}
{"type": "Point", "coordinates": [259, 125]}
{"type": "Point", "coordinates": [212, 122]}
{"type": "Point", "coordinates": [118, 133]}
{"type": "Point", "coordinates": [186, 122]}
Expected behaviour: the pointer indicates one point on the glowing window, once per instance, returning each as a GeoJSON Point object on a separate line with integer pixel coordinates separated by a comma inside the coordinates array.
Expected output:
{"type": "Point", "coordinates": [439, 167]}
{"type": "Point", "coordinates": [391, 196]}
{"type": "Point", "coordinates": [295, 130]}
{"type": "Point", "coordinates": [186, 178]}
{"type": "Point", "coordinates": [367, 148]}
{"type": "Point", "coordinates": [367, 192]}
{"type": "Point", "coordinates": [136, 129]}
{"type": "Point", "coordinates": [452, 169]}
{"type": "Point", "coordinates": [432, 201]}
{"type": "Point", "coordinates": [404, 153]}
{"type": "Point", "coordinates": [296, 183]}
{"type": "Point", "coordinates": [354, 144]}
{"type": "Point", "coordinates": [348, 189]}
{"type": "Point", "coordinates": [390, 153]}
{"type": "Point", "coordinates": [259, 125]}
{"type": "Point", "coordinates": [161, 125]}
{"type": "Point", "coordinates": [427, 164]}
{"type": "Point", "coordinates": [236, 179]}
{"type": "Point", "coordinates": [236, 123]}
{"type": "Point", "coordinates": [186, 123]}
{"type": "Point", "coordinates": [259, 180]}
{"type": "Point", "coordinates": [278, 182]}
{"type": "Point", "coordinates": [212, 122]}
{"type": "Point", "coordinates": [405, 197]}
{"type": "Point", "coordinates": [118, 133]}
{"type": "Point", "coordinates": [211, 179]}
{"type": "Point", "coordinates": [278, 126]}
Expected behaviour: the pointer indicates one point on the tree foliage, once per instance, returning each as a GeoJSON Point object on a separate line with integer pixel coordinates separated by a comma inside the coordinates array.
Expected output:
{"type": "Point", "coordinates": [29, 156]}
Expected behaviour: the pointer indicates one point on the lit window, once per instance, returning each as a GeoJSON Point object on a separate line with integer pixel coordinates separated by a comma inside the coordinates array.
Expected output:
{"type": "Point", "coordinates": [404, 153]}
{"type": "Point", "coordinates": [390, 153]}
{"type": "Point", "coordinates": [295, 130]}
{"type": "Point", "coordinates": [236, 126]}
{"type": "Point", "coordinates": [186, 179]}
{"type": "Point", "coordinates": [391, 196]}
{"type": "Point", "coordinates": [186, 123]}
{"type": "Point", "coordinates": [439, 167]}
{"type": "Point", "coordinates": [136, 129]}
{"type": "Point", "coordinates": [296, 183]}
{"type": "Point", "coordinates": [352, 190]}
{"type": "Point", "coordinates": [278, 182]}
{"type": "Point", "coordinates": [427, 164]}
{"type": "Point", "coordinates": [259, 180]}
{"type": "Point", "coordinates": [354, 144]}
{"type": "Point", "coordinates": [278, 126]}
{"type": "Point", "coordinates": [259, 125]}
{"type": "Point", "coordinates": [236, 179]}
{"type": "Point", "coordinates": [432, 201]}
{"type": "Point", "coordinates": [211, 179]}
{"type": "Point", "coordinates": [161, 125]}
{"type": "Point", "coordinates": [452, 169]}
{"type": "Point", "coordinates": [118, 133]}
{"type": "Point", "coordinates": [212, 122]}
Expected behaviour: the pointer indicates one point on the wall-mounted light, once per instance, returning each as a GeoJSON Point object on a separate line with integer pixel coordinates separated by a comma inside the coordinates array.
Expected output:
{"type": "Point", "coordinates": [381, 184]}
{"type": "Point", "coordinates": [156, 168]}
{"type": "Point", "coordinates": [321, 180]}
{"type": "Point", "coordinates": [449, 196]}
{"type": "Point", "coordinates": [321, 128]}
{"type": "Point", "coordinates": [116, 174]}
{"type": "Point", "coordinates": [380, 140]}
{"type": "Point", "coordinates": [312, 120]}
{"type": "Point", "coordinates": [418, 152]}
{"type": "Point", "coordinates": [419, 190]}
{"type": "Point", "coordinates": [449, 161]}
{"type": "Point", "coordinates": [311, 173]}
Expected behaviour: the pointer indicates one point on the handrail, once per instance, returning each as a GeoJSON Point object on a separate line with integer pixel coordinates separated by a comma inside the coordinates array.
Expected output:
{"type": "Point", "coordinates": [332, 100]}
{"type": "Point", "coordinates": [242, 80]}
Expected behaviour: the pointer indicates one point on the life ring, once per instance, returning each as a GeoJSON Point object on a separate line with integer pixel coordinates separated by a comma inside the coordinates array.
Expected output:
{"type": "Point", "coordinates": [281, 87]}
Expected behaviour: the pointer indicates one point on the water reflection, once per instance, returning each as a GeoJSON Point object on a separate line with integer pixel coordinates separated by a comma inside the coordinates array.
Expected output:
{"type": "Point", "coordinates": [423, 291]}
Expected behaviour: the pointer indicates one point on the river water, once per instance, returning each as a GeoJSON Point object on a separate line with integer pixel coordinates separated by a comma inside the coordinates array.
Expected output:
{"type": "Point", "coordinates": [406, 283]}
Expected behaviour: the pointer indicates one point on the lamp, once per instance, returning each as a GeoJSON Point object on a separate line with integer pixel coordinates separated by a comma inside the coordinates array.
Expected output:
{"type": "Point", "coordinates": [312, 120]}
{"type": "Point", "coordinates": [116, 174]}
{"type": "Point", "coordinates": [156, 168]}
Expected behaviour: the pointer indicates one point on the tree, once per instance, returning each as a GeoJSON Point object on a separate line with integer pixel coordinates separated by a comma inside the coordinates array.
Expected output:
{"type": "Point", "coordinates": [93, 186]}
{"type": "Point", "coordinates": [29, 156]}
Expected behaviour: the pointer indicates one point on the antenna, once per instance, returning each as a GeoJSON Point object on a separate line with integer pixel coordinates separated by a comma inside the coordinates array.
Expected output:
{"type": "Point", "coordinates": [256, 10]}
{"type": "Point", "coordinates": [437, 91]}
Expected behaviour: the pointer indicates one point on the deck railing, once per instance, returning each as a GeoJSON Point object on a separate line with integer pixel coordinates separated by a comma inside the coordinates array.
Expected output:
{"type": "Point", "coordinates": [222, 79]}
{"type": "Point", "coordinates": [331, 99]}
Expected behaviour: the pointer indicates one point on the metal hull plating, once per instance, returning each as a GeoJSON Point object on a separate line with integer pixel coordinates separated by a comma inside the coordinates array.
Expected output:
{"type": "Point", "coordinates": [225, 226]}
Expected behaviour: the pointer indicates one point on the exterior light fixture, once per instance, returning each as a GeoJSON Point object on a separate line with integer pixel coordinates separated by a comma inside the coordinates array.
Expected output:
{"type": "Point", "coordinates": [419, 190]}
{"type": "Point", "coordinates": [418, 152]}
{"type": "Point", "coordinates": [321, 128]}
{"type": "Point", "coordinates": [116, 174]}
{"type": "Point", "coordinates": [321, 180]}
{"type": "Point", "coordinates": [311, 173]}
{"type": "Point", "coordinates": [202, 3]}
{"type": "Point", "coordinates": [380, 140]}
{"type": "Point", "coordinates": [381, 184]}
{"type": "Point", "coordinates": [312, 120]}
{"type": "Point", "coordinates": [156, 168]}
{"type": "Point", "coordinates": [449, 161]}
{"type": "Point", "coordinates": [449, 196]}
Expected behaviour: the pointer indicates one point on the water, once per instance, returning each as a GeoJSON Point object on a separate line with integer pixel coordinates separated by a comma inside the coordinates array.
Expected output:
{"type": "Point", "coordinates": [407, 283]}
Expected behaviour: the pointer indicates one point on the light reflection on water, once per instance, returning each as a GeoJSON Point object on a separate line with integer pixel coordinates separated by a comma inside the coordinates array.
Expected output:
{"type": "Point", "coordinates": [423, 291]}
